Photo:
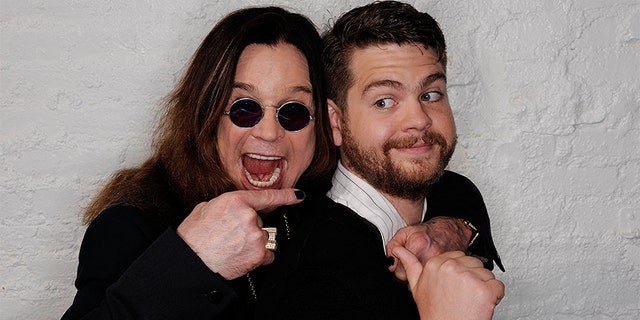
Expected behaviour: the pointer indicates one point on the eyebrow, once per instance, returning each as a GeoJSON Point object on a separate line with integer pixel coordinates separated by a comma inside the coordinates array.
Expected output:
{"type": "Point", "coordinates": [382, 83]}
{"type": "Point", "coordinates": [433, 78]}
{"type": "Point", "coordinates": [397, 85]}
{"type": "Point", "coordinates": [252, 88]}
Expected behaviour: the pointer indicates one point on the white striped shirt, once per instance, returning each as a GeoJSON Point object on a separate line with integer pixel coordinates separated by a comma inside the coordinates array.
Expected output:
{"type": "Point", "coordinates": [358, 195]}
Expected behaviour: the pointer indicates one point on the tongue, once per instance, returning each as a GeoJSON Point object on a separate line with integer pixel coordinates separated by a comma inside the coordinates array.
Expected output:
{"type": "Point", "coordinates": [256, 166]}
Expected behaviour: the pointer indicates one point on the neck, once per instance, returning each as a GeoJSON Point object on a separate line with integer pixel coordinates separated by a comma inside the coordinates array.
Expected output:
{"type": "Point", "coordinates": [410, 210]}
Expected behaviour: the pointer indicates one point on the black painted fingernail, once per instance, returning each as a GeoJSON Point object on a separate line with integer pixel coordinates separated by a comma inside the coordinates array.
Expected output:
{"type": "Point", "coordinates": [300, 195]}
{"type": "Point", "coordinates": [390, 261]}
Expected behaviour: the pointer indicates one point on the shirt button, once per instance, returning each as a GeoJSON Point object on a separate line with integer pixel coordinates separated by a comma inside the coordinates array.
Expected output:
{"type": "Point", "coordinates": [215, 296]}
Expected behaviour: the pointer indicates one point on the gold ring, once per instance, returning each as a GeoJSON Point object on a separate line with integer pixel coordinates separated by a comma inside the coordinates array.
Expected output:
{"type": "Point", "coordinates": [271, 244]}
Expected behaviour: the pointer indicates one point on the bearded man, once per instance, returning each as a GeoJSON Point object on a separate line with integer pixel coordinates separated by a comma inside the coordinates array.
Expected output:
{"type": "Point", "coordinates": [391, 119]}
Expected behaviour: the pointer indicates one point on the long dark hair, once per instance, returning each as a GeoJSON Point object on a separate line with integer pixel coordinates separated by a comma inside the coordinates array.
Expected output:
{"type": "Point", "coordinates": [185, 167]}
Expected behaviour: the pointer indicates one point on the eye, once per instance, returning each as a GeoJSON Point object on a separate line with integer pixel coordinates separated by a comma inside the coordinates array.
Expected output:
{"type": "Point", "coordinates": [431, 96]}
{"type": "Point", "coordinates": [384, 103]}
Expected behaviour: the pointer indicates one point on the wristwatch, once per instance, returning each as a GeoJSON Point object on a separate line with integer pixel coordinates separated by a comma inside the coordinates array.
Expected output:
{"type": "Point", "coordinates": [474, 232]}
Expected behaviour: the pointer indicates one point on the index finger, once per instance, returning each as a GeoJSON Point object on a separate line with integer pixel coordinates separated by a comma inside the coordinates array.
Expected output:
{"type": "Point", "coordinates": [412, 265]}
{"type": "Point", "coordinates": [269, 199]}
{"type": "Point", "coordinates": [398, 240]}
{"type": "Point", "coordinates": [401, 238]}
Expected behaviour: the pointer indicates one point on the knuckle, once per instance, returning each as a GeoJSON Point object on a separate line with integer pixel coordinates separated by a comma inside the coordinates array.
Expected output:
{"type": "Point", "coordinates": [432, 265]}
{"type": "Point", "coordinates": [232, 197]}
{"type": "Point", "coordinates": [278, 196]}
{"type": "Point", "coordinates": [270, 196]}
{"type": "Point", "coordinates": [450, 265]}
{"type": "Point", "coordinates": [256, 237]}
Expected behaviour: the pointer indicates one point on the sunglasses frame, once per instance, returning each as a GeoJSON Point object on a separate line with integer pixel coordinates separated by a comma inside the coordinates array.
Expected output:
{"type": "Point", "coordinates": [228, 113]}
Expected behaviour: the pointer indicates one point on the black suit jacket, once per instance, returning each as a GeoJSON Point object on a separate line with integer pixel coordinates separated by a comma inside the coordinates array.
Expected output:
{"type": "Point", "coordinates": [133, 265]}
{"type": "Point", "coordinates": [337, 269]}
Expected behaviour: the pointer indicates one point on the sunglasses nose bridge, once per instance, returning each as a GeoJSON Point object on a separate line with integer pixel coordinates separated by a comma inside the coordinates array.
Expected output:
{"type": "Point", "coordinates": [270, 106]}
{"type": "Point", "coordinates": [268, 128]}
{"type": "Point", "coordinates": [276, 110]}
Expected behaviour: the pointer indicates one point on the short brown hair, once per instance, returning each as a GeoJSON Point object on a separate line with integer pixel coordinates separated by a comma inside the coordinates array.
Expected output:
{"type": "Point", "coordinates": [375, 24]}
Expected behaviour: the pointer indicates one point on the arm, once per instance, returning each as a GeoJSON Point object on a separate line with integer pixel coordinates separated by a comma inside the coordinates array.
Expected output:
{"type": "Point", "coordinates": [433, 237]}
{"type": "Point", "coordinates": [131, 265]}
{"type": "Point", "coordinates": [127, 269]}
{"type": "Point", "coordinates": [457, 220]}
{"type": "Point", "coordinates": [456, 196]}
{"type": "Point", "coordinates": [429, 239]}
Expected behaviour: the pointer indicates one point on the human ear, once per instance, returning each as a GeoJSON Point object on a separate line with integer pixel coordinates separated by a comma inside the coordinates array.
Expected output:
{"type": "Point", "coordinates": [335, 117]}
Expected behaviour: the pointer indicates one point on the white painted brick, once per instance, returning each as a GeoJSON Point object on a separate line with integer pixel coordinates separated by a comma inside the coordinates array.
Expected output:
{"type": "Point", "coordinates": [545, 95]}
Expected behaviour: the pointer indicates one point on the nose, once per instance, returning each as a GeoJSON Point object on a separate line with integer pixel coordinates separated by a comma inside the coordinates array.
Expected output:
{"type": "Point", "coordinates": [416, 116]}
{"type": "Point", "coordinates": [268, 129]}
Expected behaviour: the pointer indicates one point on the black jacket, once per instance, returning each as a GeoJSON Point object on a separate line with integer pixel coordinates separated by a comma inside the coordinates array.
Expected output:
{"type": "Point", "coordinates": [133, 265]}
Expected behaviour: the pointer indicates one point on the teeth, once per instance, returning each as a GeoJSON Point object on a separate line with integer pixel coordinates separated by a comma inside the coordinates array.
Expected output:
{"type": "Point", "coordinates": [259, 157]}
{"type": "Point", "coordinates": [263, 184]}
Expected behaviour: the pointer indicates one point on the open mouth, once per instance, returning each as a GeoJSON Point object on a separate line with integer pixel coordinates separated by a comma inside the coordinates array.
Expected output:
{"type": "Point", "coordinates": [262, 171]}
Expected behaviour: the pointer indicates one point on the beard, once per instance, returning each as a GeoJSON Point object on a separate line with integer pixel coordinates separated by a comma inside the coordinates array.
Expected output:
{"type": "Point", "coordinates": [393, 179]}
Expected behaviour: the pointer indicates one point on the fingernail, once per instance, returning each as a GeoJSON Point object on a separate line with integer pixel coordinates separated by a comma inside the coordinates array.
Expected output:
{"type": "Point", "coordinates": [390, 261]}
{"type": "Point", "coordinates": [300, 195]}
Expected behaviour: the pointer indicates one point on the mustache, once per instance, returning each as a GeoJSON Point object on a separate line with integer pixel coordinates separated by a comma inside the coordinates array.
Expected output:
{"type": "Point", "coordinates": [428, 137]}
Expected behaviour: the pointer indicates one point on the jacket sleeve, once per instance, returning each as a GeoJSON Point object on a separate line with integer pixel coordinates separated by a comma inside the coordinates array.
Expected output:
{"type": "Point", "coordinates": [133, 267]}
{"type": "Point", "coordinates": [456, 196]}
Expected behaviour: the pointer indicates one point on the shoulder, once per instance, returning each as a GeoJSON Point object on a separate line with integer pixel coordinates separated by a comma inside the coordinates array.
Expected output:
{"type": "Point", "coordinates": [454, 182]}
{"type": "Point", "coordinates": [453, 187]}
{"type": "Point", "coordinates": [119, 235]}
{"type": "Point", "coordinates": [128, 221]}
{"type": "Point", "coordinates": [454, 195]}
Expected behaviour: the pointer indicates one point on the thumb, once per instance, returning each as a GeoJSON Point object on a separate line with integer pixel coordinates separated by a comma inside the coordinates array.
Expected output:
{"type": "Point", "coordinates": [412, 265]}
{"type": "Point", "coordinates": [497, 287]}
{"type": "Point", "coordinates": [269, 199]}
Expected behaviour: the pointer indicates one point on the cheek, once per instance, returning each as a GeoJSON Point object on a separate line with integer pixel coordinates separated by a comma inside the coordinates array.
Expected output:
{"type": "Point", "coordinates": [305, 148]}
{"type": "Point", "coordinates": [369, 131]}
{"type": "Point", "coordinates": [227, 140]}
{"type": "Point", "coordinates": [222, 140]}
{"type": "Point", "coordinates": [446, 125]}
{"type": "Point", "coordinates": [310, 147]}
{"type": "Point", "coordinates": [452, 127]}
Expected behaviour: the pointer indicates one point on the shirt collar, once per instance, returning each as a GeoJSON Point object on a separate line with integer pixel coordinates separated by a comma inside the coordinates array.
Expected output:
{"type": "Point", "coordinates": [361, 197]}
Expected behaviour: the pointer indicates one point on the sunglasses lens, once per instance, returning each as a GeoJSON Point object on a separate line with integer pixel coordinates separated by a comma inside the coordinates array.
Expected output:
{"type": "Point", "coordinates": [293, 116]}
{"type": "Point", "coordinates": [245, 113]}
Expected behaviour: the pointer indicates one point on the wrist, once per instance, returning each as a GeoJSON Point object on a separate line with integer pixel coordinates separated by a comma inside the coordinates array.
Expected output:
{"type": "Point", "coordinates": [473, 232]}
{"type": "Point", "coordinates": [450, 233]}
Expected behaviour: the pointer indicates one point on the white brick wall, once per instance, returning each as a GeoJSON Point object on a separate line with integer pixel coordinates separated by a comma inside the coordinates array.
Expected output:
{"type": "Point", "coordinates": [546, 95]}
